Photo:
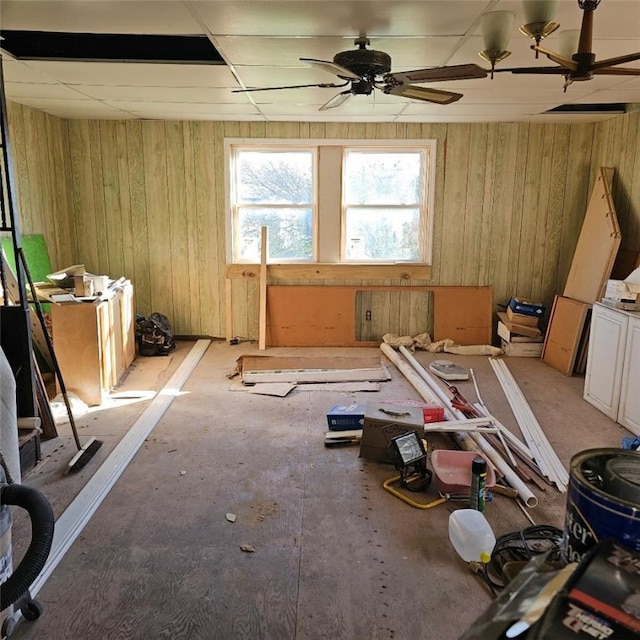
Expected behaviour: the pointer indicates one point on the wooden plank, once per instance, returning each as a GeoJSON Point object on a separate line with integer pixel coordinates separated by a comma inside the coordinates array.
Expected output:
{"type": "Point", "coordinates": [318, 271]}
{"type": "Point", "coordinates": [344, 375]}
{"type": "Point", "coordinates": [250, 364]}
{"type": "Point", "coordinates": [262, 296]}
{"type": "Point", "coordinates": [228, 297]}
{"type": "Point", "coordinates": [276, 389]}
{"type": "Point", "coordinates": [462, 314]}
{"type": "Point", "coordinates": [564, 332]}
{"type": "Point", "coordinates": [326, 316]}
{"type": "Point", "coordinates": [597, 246]}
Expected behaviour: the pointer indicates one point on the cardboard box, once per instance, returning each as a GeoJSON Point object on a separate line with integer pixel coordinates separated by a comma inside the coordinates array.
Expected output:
{"type": "Point", "coordinates": [522, 349]}
{"type": "Point", "coordinates": [625, 306]}
{"type": "Point", "coordinates": [521, 318]}
{"type": "Point", "coordinates": [527, 308]}
{"type": "Point", "coordinates": [506, 334]}
{"type": "Point", "coordinates": [345, 417]}
{"type": "Point", "coordinates": [518, 329]}
{"type": "Point", "coordinates": [621, 291]}
{"type": "Point", "coordinates": [383, 421]}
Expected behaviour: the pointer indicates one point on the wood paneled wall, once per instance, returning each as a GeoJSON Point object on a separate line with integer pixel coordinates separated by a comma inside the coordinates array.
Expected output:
{"type": "Point", "coordinates": [145, 199]}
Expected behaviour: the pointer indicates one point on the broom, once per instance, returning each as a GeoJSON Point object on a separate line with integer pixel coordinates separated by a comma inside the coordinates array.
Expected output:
{"type": "Point", "coordinates": [86, 452]}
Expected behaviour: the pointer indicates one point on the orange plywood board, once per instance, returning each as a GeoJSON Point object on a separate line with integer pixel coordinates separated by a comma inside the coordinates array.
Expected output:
{"type": "Point", "coordinates": [597, 245]}
{"type": "Point", "coordinates": [566, 326]}
{"type": "Point", "coordinates": [322, 316]}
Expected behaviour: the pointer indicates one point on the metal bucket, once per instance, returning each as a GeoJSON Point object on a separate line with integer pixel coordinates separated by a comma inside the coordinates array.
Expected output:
{"type": "Point", "coordinates": [601, 501]}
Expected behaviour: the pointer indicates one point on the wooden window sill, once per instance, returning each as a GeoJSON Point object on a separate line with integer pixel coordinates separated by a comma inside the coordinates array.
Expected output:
{"type": "Point", "coordinates": [319, 271]}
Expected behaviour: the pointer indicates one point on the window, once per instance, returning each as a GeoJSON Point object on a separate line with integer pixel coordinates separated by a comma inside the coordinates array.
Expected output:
{"type": "Point", "coordinates": [330, 201]}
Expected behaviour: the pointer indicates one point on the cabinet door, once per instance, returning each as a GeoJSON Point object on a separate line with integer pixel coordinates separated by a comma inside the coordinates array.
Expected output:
{"type": "Point", "coordinates": [629, 412]}
{"type": "Point", "coordinates": [605, 359]}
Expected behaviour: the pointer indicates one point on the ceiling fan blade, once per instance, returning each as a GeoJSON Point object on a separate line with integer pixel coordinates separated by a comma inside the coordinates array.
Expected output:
{"type": "Point", "coordinates": [331, 67]}
{"type": "Point", "coordinates": [422, 93]}
{"type": "Point", "coordinates": [617, 71]}
{"type": "Point", "coordinates": [336, 101]}
{"type": "Point", "coordinates": [330, 85]}
{"type": "Point", "coordinates": [438, 74]}
{"type": "Point", "coordinates": [555, 71]}
{"type": "Point", "coordinates": [556, 57]}
{"type": "Point", "coordinates": [612, 62]}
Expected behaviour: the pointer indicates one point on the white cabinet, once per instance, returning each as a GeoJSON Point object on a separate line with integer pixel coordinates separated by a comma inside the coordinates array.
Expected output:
{"type": "Point", "coordinates": [612, 381]}
{"type": "Point", "coordinates": [629, 412]}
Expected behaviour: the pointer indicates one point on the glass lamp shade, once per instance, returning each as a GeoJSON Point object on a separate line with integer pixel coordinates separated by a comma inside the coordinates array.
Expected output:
{"type": "Point", "coordinates": [568, 43]}
{"type": "Point", "coordinates": [539, 10]}
{"type": "Point", "coordinates": [496, 30]}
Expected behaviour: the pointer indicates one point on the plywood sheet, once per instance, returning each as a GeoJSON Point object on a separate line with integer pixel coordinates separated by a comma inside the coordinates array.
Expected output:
{"type": "Point", "coordinates": [565, 330]}
{"type": "Point", "coordinates": [597, 245]}
{"type": "Point", "coordinates": [256, 369]}
{"type": "Point", "coordinates": [303, 316]}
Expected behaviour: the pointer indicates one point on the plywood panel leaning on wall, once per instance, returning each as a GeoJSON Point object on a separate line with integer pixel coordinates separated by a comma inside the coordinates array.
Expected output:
{"type": "Point", "coordinates": [597, 245]}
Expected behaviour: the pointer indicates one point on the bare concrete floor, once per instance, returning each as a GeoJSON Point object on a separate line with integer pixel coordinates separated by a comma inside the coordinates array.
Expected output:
{"type": "Point", "coordinates": [335, 555]}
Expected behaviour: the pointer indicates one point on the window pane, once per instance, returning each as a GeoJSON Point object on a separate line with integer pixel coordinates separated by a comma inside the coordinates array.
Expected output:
{"type": "Point", "coordinates": [290, 233]}
{"type": "Point", "coordinates": [270, 177]}
{"type": "Point", "coordinates": [382, 178]}
{"type": "Point", "coordinates": [382, 234]}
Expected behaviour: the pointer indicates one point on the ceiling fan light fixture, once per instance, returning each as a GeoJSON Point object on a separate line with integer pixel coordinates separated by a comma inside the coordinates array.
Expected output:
{"type": "Point", "coordinates": [496, 27]}
{"type": "Point", "coordinates": [539, 16]}
{"type": "Point", "coordinates": [568, 43]}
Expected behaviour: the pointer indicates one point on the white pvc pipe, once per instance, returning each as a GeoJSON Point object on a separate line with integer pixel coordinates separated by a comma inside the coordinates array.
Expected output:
{"type": "Point", "coordinates": [426, 387]}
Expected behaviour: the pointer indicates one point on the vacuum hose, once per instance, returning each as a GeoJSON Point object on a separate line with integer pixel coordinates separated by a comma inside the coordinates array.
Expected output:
{"type": "Point", "coordinates": [42, 526]}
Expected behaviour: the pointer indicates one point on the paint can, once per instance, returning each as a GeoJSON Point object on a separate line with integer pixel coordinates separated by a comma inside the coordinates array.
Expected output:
{"type": "Point", "coordinates": [604, 485]}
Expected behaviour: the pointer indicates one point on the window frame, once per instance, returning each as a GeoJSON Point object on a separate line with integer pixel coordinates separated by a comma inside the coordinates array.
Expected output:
{"type": "Point", "coordinates": [329, 223]}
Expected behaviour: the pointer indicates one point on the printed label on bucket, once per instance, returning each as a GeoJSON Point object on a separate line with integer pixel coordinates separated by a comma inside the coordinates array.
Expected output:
{"type": "Point", "coordinates": [593, 514]}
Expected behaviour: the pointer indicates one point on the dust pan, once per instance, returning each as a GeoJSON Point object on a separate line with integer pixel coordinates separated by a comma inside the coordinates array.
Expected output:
{"type": "Point", "coordinates": [452, 471]}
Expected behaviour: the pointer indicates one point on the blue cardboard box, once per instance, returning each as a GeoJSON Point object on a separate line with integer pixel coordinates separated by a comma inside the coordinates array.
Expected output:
{"type": "Point", "coordinates": [345, 417]}
{"type": "Point", "coordinates": [526, 308]}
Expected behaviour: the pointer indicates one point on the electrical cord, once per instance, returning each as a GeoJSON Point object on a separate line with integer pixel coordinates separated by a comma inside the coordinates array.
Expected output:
{"type": "Point", "coordinates": [521, 546]}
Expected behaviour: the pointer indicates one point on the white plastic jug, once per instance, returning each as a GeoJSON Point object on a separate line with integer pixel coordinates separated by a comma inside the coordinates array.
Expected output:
{"type": "Point", "coordinates": [471, 535]}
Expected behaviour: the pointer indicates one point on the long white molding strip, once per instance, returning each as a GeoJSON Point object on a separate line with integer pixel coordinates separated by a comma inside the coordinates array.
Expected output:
{"type": "Point", "coordinates": [558, 471]}
{"type": "Point", "coordinates": [532, 439]}
{"type": "Point", "coordinates": [75, 517]}
{"type": "Point", "coordinates": [423, 380]}
{"type": "Point", "coordinates": [540, 446]}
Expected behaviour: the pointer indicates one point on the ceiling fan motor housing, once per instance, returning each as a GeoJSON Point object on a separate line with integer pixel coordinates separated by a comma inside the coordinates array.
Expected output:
{"type": "Point", "coordinates": [367, 63]}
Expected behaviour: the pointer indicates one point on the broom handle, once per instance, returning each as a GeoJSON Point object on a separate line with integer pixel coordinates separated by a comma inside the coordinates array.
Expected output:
{"type": "Point", "coordinates": [47, 339]}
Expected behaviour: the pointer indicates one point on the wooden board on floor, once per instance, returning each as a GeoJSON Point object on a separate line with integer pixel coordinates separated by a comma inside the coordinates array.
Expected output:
{"type": "Point", "coordinates": [597, 245]}
{"type": "Point", "coordinates": [566, 326]}
{"type": "Point", "coordinates": [322, 316]}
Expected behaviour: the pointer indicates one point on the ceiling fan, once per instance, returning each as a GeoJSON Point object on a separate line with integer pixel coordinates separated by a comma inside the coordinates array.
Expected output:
{"type": "Point", "coordinates": [582, 65]}
{"type": "Point", "coordinates": [363, 70]}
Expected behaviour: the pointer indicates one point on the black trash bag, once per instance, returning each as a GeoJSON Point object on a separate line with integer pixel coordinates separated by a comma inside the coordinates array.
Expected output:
{"type": "Point", "coordinates": [154, 335]}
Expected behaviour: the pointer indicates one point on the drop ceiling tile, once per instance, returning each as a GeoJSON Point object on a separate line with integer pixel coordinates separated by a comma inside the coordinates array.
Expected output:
{"type": "Point", "coordinates": [153, 108]}
{"type": "Point", "coordinates": [286, 52]}
{"type": "Point", "coordinates": [16, 71]}
{"type": "Point", "coordinates": [160, 94]}
{"type": "Point", "coordinates": [86, 109]}
{"type": "Point", "coordinates": [302, 18]}
{"type": "Point", "coordinates": [460, 119]}
{"type": "Point", "coordinates": [145, 75]}
{"type": "Point", "coordinates": [95, 16]}
{"type": "Point", "coordinates": [32, 90]}
{"type": "Point", "coordinates": [332, 118]}
{"type": "Point", "coordinates": [358, 106]}
{"type": "Point", "coordinates": [459, 109]}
